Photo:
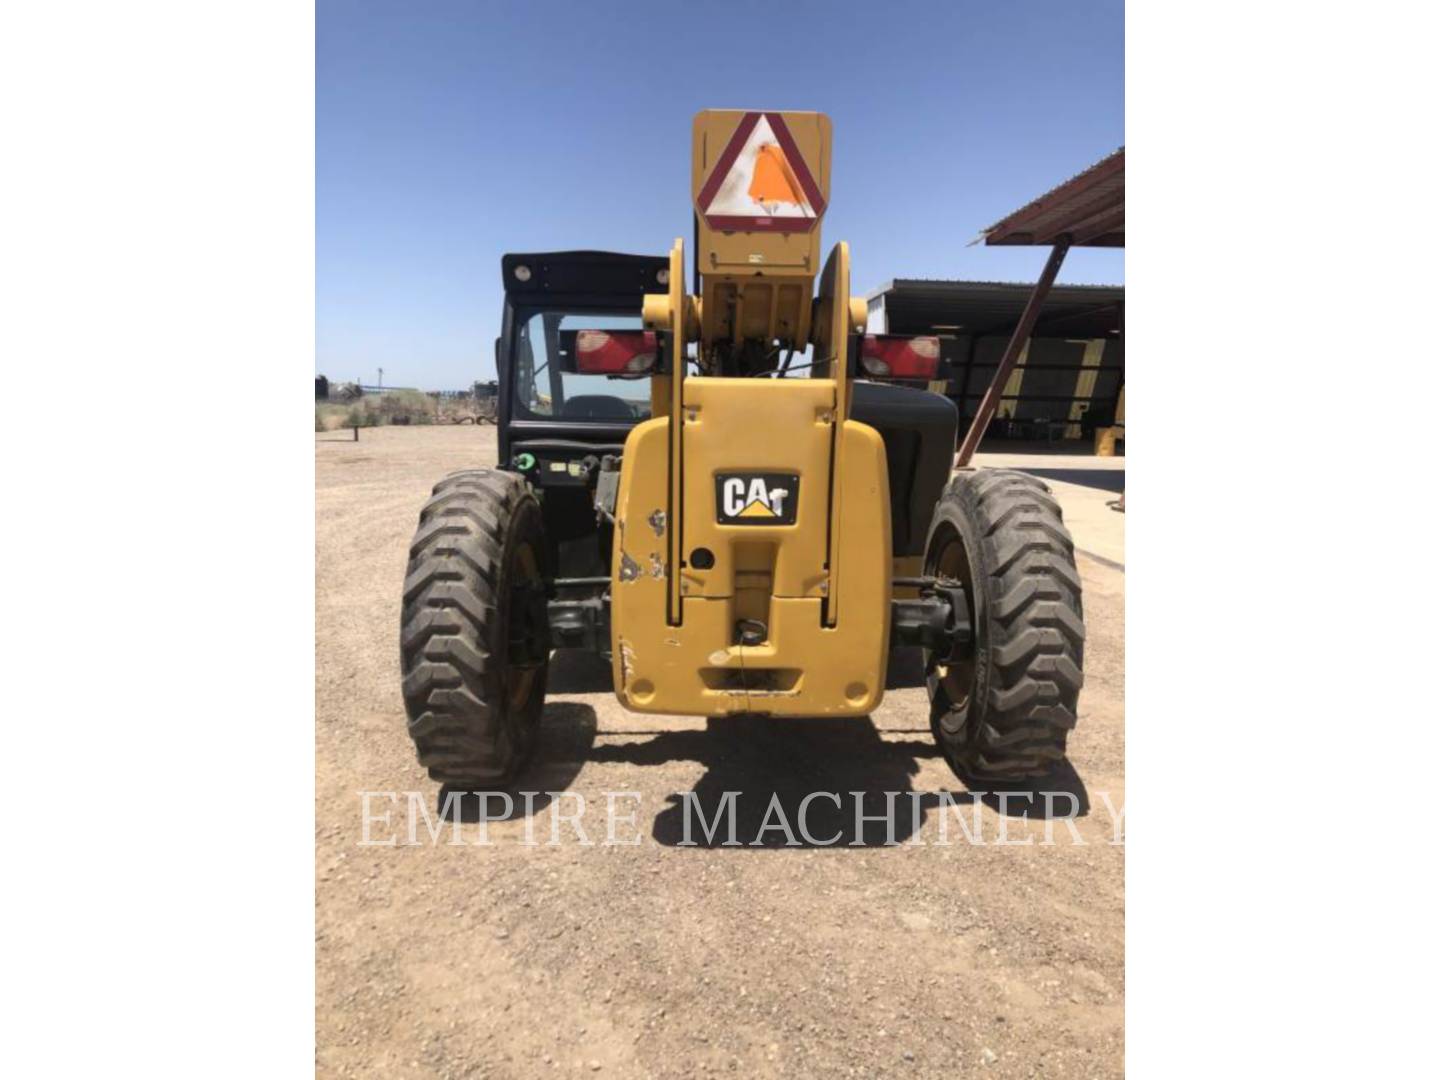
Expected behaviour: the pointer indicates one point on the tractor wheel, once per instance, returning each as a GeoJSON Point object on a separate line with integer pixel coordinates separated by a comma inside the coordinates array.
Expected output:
{"type": "Point", "coordinates": [1002, 706]}
{"type": "Point", "coordinates": [474, 636]}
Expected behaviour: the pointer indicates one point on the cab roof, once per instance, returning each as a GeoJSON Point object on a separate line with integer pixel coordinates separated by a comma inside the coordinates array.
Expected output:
{"type": "Point", "coordinates": [583, 273]}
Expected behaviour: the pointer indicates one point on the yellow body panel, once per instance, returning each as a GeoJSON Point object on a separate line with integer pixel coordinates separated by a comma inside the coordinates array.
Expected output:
{"type": "Point", "coordinates": [831, 349]}
{"type": "Point", "coordinates": [772, 573]}
{"type": "Point", "coordinates": [819, 644]}
{"type": "Point", "coordinates": [793, 434]}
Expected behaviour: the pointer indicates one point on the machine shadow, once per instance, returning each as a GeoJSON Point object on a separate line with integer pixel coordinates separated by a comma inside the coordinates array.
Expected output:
{"type": "Point", "coordinates": [576, 671]}
{"type": "Point", "coordinates": [1061, 793]}
{"type": "Point", "coordinates": [828, 761]}
{"type": "Point", "coordinates": [761, 759]}
{"type": "Point", "coordinates": [567, 739]}
{"type": "Point", "coordinates": [906, 670]}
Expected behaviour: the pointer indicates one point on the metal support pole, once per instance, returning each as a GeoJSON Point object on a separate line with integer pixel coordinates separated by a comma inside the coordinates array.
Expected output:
{"type": "Point", "coordinates": [964, 395]}
{"type": "Point", "coordinates": [1120, 387]}
{"type": "Point", "coordinates": [356, 429]}
{"type": "Point", "coordinates": [991, 401]}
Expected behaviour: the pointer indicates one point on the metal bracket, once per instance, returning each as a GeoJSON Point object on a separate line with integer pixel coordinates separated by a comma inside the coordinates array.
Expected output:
{"type": "Point", "coordinates": [938, 620]}
{"type": "Point", "coordinates": [581, 624]}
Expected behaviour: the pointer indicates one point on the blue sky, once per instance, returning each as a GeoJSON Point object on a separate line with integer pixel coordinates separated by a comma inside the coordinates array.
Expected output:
{"type": "Point", "coordinates": [448, 133]}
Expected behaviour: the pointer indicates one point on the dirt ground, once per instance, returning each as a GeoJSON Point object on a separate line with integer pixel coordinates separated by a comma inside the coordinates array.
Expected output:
{"type": "Point", "coordinates": [665, 960]}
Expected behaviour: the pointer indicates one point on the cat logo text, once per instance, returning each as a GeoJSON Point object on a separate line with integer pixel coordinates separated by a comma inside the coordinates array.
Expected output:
{"type": "Point", "coordinates": [756, 498]}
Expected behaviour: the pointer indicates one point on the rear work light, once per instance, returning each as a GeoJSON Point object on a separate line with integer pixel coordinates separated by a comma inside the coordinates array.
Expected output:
{"type": "Point", "coordinates": [892, 357]}
{"type": "Point", "coordinates": [615, 352]}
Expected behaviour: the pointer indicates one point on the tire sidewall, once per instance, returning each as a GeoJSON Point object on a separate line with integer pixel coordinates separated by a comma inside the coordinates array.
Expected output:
{"type": "Point", "coordinates": [1027, 623]}
{"type": "Point", "coordinates": [957, 511]}
{"type": "Point", "coordinates": [520, 724]}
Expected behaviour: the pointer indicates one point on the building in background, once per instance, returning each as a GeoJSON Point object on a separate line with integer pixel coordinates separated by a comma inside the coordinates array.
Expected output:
{"type": "Point", "coordinates": [1070, 377]}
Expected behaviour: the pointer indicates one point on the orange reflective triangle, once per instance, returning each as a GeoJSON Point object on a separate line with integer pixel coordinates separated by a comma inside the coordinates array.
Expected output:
{"type": "Point", "coordinates": [773, 181]}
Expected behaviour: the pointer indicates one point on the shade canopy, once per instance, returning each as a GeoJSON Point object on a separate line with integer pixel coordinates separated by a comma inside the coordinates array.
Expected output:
{"type": "Point", "coordinates": [1088, 209]}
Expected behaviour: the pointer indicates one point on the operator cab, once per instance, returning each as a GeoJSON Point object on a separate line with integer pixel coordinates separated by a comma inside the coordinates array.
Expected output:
{"type": "Point", "coordinates": [549, 296]}
{"type": "Point", "coordinates": [558, 425]}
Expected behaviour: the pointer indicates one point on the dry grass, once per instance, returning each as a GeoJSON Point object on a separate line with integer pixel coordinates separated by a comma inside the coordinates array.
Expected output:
{"type": "Point", "coordinates": [406, 407]}
{"type": "Point", "coordinates": [330, 415]}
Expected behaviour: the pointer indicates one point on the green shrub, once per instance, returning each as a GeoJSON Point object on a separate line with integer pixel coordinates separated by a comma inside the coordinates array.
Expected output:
{"type": "Point", "coordinates": [405, 407]}
{"type": "Point", "coordinates": [331, 416]}
{"type": "Point", "coordinates": [391, 407]}
{"type": "Point", "coordinates": [362, 414]}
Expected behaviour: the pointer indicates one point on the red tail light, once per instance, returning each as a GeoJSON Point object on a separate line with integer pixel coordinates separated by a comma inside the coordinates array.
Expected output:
{"type": "Point", "coordinates": [900, 357]}
{"type": "Point", "coordinates": [615, 352]}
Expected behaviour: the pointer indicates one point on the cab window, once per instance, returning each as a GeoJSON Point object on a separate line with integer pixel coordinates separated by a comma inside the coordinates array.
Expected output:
{"type": "Point", "coordinates": [543, 390]}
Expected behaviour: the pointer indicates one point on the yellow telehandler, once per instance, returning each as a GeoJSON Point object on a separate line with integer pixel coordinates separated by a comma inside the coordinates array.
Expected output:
{"type": "Point", "coordinates": [732, 493]}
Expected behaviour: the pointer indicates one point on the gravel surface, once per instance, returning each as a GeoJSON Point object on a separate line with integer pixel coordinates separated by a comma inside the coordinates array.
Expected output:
{"type": "Point", "coordinates": [658, 959]}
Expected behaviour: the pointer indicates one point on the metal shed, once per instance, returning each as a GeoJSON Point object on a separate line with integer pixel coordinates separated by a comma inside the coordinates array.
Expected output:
{"type": "Point", "coordinates": [1066, 380]}
{"type": "Point", "coordinates": [1088, 210]}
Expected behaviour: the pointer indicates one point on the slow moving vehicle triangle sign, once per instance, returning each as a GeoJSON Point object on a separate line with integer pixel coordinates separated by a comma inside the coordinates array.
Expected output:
{"type": "Point", "coordinates": [760, 181]}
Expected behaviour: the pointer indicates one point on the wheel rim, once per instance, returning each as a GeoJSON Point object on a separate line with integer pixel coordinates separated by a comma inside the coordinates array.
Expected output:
{"type": "Point", "coordinates": [950, 564]}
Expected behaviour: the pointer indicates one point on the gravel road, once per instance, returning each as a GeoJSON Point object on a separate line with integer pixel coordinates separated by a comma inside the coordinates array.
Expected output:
{"type": "Point", "coordinates": [660, 959]}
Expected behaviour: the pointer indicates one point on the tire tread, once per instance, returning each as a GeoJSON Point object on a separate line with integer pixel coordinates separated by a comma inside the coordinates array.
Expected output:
{"type": "Point", "coordinates": [452, 670]}
{"type": "Point", "coordinates": [1023, 561]}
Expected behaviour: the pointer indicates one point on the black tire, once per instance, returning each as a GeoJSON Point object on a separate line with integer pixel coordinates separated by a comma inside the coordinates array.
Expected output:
{"type": "Point", "coordinates": [474, 640]}
{"type": "Point", "coordinates": [1002, 707]}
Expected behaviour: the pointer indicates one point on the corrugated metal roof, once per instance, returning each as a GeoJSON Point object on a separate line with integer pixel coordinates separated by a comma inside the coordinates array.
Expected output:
{"type": "Point", "coordinates": [1089, 208]}
{"type": "Point", "coordinates": [983, 308]}
{"type": "Point", "coordinates": [954, 285]}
